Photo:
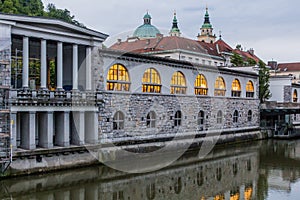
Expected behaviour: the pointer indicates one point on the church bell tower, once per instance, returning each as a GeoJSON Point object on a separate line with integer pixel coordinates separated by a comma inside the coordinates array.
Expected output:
{"type": "Point", "coordinates": [206, 34]}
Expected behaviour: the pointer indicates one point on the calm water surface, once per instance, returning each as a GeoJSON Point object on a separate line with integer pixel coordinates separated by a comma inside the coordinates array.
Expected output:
{"type": "Point", "coordinates": [261, 170]}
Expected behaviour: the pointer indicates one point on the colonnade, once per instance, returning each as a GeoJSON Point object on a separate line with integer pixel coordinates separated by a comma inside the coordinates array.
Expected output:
{"type": "Point", "coordinates": [59, 72]}
{"type": "Point", "coordinates": [47, 129]}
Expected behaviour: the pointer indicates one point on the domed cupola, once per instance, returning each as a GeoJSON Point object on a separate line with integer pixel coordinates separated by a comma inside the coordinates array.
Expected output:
{"type": "Point", "coordinates": [146, 30]}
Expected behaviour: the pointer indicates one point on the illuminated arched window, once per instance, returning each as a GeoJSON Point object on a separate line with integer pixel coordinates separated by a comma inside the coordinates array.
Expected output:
{"type": "Point", "coordinates": [151, 81]}
{"type": "Point", "coordinates": [235, 195]}
{"type": "Point", "coordinates": [220, 87]}
{"type": "Point", "coordinates": [200, 85]}
{"type": "Point", "coordinates": [236, 88]}
{"type": "Point", "coordinates": [118, 78]}
{"type": "Point", "coordinates": [178, 83]}
{"type": "Point", "coordinates": [248, 192]}
{"type": "Point", "coordinates": [219, 197]}
{"type": "Point", "coordinates": [249, 89]}
{"type": "Point", "coordinates": [295, 96]}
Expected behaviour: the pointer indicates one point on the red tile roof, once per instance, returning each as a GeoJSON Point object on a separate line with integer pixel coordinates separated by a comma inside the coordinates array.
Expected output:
{"type": "Point", "coordinates": [289, 66]}
{"type": "Point", "coordinates": [246, 55]}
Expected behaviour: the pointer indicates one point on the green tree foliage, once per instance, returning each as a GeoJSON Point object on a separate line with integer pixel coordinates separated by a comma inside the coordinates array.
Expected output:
{"type": "Point", "coordinates": [237, 60]}
{"type": "Point", "coordinates": [264, 76]}
{"type": "Point", "coordinates": [251, 62]}
{"type": "Point", "coordinates": [36, 8]}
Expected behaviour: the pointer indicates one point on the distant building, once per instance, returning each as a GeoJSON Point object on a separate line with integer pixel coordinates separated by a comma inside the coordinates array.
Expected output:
{"type": "Point", "coordinates": [205, 50]}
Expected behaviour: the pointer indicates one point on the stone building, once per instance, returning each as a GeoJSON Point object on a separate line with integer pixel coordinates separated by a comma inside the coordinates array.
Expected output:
{"type": "Point", "coordinates": [147, 97]}
{"type": "Point", "coordinates": [50, 83]}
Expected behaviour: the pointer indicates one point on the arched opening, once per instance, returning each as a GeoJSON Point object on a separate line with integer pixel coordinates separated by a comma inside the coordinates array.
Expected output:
{"type": "Point", "coordinates": [295, 96]}
{"type": "Point", "coordinates": [177, 118]}
{"type": "Point", "coordinates": [200, 85]}
{"type": "Point", "coordinates": [235, 88]}
{"type": "Point", "coordinates": [235, 116]}
{"type": "Point", "coordinates": [220, 87]}
{"type": "Point", "coordinates": [219, 117]}
{"type": "Point", "coordinates": [250, 89]}
{"type": "Point", "coordinates": [118, 121]}
{"type": "Point", "coordinates": [249, 116]}
{"type": "Point", "coordinates": [118, 78]}
{"type": "Point", "coordinates": [151, 119]}
{"type": "Point", "coordinates": [151, 81]}
{"type": "Point", "coordinates": [178, 83]}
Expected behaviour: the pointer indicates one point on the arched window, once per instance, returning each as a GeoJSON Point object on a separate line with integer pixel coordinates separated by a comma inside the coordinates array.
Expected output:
{"type": "Point", "coordinates": [151, 81]}
{"type": "Point", "coordinates": [219, 117]}
{"type": "Point", "coordinates": [201, 117]}
{"type": "Point", "coordinates": [249, 116]}
{"type": "Point", "coordinates": [177, 119]}
{"type": "Point", "coordinates": [200, 85]}
{"type": "Point", "coordinates": [295, 96]}
{"type": "Point", "coordinates": [249, 89]}
{"type": "Point", "coordinates": [118, 78]}
{"type": "Point", "coordinates": [178, 83]}
{"type": "Point", "coordinates": [118, 121]}
{"type": "Point", "coordinates": [235, 116]}
{"type": "Point", "coordinates": [236, 88]}
{"type": "Point", "coordinates": [151, 119]}
{"type": "Point", "coordinates": [220, 87]}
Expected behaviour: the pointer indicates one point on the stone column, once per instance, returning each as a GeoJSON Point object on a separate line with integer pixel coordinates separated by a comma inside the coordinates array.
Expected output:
{"type": "Point", "coordinates": [43, 64]}
{"type": "Point", "coordinates": [91, 127]}
{"type": "Point", "coordinates": [77, 194]}
{"type": "Point", "coordinates": [242, 192]}
{"type": "Point", "coordinates": [13, 121]}
{"type": "Point", "coordinates": [28, 131]}
{"type": "Point", "coordinates": [46, 130]}
{"type": "Point", "coordinates": [25, 70]}
{"type": "Point", "coordinates": [88, 68]}
{"type": "Point", "coordinates": [75, 67]}
{"type": "Point", "coordinates": [62, 195]}
{"type": "Point", "coordinates": [59, 84]}
{"type": "Point", "coordinates": [91, 192]}
{"type": "Point", "coordinates": [62, 129]}
{"type": "Point", "coordinates": [78, 128]}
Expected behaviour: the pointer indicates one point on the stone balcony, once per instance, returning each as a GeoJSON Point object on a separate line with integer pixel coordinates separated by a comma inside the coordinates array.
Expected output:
{"type": "Point", "coordinates": [54, 98]}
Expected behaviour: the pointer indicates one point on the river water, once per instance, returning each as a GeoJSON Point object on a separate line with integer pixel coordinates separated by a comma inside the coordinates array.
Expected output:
{"type": "Point", "coordinates": [264, 170]}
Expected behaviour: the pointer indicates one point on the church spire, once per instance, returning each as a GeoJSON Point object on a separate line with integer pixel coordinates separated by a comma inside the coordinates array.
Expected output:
{"type": "Point", "coordinates": [206, 34]}
{"type": "Point", "coordinates": [175, 30]}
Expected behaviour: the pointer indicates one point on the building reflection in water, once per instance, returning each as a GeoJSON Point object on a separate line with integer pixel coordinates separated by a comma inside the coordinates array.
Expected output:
{"type": "Point", "coordinates": [235, 173]}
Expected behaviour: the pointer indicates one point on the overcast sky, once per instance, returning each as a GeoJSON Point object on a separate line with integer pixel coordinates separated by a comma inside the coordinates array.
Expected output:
{"type": "Point", "coordinates": [271, 28]}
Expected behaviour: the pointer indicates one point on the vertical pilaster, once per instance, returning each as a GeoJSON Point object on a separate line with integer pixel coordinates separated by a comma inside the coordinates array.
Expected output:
{"type": "Point", "coordinates": [75, 67]}
{"type": "Point", "coordinates": [62, 129]}
{"type": "Point", "coordinates": [78, 128]}
{"type": "Point", "coordinates": [59, 65]}
{"type": "Point", "coordinates": [88, 68]}
{"type": "Point", "coordinates": [25, 69]}
{"type": "Point", "coordinates": [46, 130]}
{"type": "Point", "coordinates": [28, 131]}
{"type": "Point", "coordinates": [91, 127]}
{"type": "Point", "coordinates": [43, 64]}
{"type": "Point", "coordinates": [13, 120]}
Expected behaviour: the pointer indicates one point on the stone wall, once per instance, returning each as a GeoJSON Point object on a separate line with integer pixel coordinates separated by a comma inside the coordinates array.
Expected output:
{"type": "Point", "coordinates": [287, 93]}
{"type": "Point", "coordinates": [135, 107]}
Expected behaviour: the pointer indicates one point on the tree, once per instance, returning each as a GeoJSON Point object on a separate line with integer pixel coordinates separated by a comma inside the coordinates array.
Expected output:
{"type": "Point", "coordinates": [251, 62]}
{"type": "Point", "coordinates": [264, 76]}
{"type": "Point", "coordinates": [8, 6]}
{"type": "Point", "coordinates": [236, 60]}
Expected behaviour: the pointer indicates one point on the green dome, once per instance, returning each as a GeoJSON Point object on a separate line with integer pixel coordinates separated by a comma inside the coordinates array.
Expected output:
{"type": "Point", "coordinates": [146, 30]}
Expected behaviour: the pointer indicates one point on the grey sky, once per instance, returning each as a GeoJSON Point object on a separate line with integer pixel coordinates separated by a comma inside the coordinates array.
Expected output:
{"type": "Point", "coordinates": [272, 28]}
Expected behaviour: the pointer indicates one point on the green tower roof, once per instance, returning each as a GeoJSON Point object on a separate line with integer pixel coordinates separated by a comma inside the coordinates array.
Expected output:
{"type": "Point", "coordinates": [146, 30]}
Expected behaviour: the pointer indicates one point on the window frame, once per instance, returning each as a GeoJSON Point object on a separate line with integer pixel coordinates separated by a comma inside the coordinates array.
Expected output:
{"type": "Point", "coordinates": [236, 88]}
{"type": "Point", "coordinates": [178, 86]}
{"type": "Point", "coordinates": [178, 118]}
{"type": "Point", "coordinates": [219, 117]}
{"type": "Point", "coordinates": [249, 116]}
{"type": "Point", "coordinates": [198, 85]}
{"type": "Point", "coordinates": [151, 120]}
{"type": "Point", "coordinates": [118, 121]}
{"type": "Point", "coordinates": [235, 116]}
{"type": "Point", "coordinates": [154, 85]}
{"type": "Point", "coordinates": [113, 80]}
{"type": "Point", "coordinates": [249, 89]}
{"type": "Point", "coordinates": [219, 83]}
